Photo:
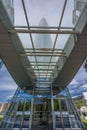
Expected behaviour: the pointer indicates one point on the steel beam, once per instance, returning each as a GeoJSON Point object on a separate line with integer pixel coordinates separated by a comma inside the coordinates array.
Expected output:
{"type": "Point", "coordinates": [43, 49]}
{"type": "Point", "coordinates": [42, 62]}
{"type": "Point", "coordinates": [59, 25]}
{"type": "Point", "coordinates": [42, 65]}
{"type": "Point", "coordinates": [41, 69]}
{"type": "Point", "coordinates": [43, 31]}
{"type": "Point", "coordinates": [28, 25]}
{"type": "Point", "coordinates": [42, 52]}
{"type": "Point", "coordinates": [44, 27]}
{"type": "Point", "coordinates": [53, 55]}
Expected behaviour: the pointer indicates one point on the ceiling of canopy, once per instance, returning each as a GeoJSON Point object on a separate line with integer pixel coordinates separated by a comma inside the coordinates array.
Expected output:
{"type": "Point", "coordinates": [43, 28]}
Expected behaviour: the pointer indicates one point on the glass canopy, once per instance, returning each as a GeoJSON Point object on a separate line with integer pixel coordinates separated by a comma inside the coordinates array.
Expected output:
{"type": "Point", "coordinates": [44, 28]}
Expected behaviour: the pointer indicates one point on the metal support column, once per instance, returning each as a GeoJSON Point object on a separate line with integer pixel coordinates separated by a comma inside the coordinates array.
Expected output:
{"type": "Point", "coordinates": [74, 110]}
{"type": "Point", "coordinates": [52, 105]}
{"type": "Point", "coordinates": [22, 120]}
{"type": "Point", "coordinates": [31, 113]}
{"type": "Point", "coordinates": [61, 116]}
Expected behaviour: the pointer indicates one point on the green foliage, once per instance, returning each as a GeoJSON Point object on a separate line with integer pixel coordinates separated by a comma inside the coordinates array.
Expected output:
{"type": "Point", "coordinates": [84, 121]}
{"type": "Point", "coordinates": [21, 106]}
{"type": "Point", "coordinates": [28, 106]}
{"type": "Point", "coordinates": [1, 117]}
{"type": "Point", "coordinates": [79, 103]}
{"type": "Point", "coordinates": [56, 105]}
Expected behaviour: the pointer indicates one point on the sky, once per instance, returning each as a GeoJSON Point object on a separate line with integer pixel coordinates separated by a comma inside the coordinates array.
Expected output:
{"type": "Point", "coordinates": [7, 85]}
{"type": "Point", "coordinates": [79, 83]}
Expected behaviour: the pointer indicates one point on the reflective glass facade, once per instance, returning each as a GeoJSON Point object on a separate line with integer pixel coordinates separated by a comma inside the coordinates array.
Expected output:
{"type": "Point", "coordinates": [42, 110]}
{"type": "Point", "coordinates": [78, 8]}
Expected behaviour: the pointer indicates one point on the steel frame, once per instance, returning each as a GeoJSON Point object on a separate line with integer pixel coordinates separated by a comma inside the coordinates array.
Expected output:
{"type": "Point", "coordinates": [62, 13]}
{"type": "Point", "coordinates": [42, 27]}
{"type": "Point", "coordinates": [43, 31]}
{"type": "Point", "coordinates": [25, 12]}
{"type": "Point", "coordinates": [43, 52]}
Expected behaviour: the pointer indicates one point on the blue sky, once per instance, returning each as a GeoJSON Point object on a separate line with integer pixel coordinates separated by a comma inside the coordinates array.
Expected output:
{"type": "Point", "coordinates": [7, 85]}
{"type": "Point", "coordinates": [79, 83]}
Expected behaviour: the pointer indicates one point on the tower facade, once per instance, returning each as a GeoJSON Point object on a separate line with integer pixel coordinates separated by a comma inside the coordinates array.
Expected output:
{"type": "Point", "coordinates": [78, 7]}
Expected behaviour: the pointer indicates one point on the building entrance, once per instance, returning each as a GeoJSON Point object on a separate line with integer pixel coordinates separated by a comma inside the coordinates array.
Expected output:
{"type": "Point", "coordinates": [43, 111]}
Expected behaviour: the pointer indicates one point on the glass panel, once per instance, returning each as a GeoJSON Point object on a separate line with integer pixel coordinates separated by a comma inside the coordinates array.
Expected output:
{"type": "Point", "coordinates": [25, 41]}
{"type": "Point", "coordinates": [58, 122]}
{"type": "Point", "coordinates": [27, 115]}
{"type": "Point", "coordinates": [68, 14]}
{"type": "Point", "coordinates": [19, 13]}
{"type": "Point", "coordinates": [38, 9]}
{"type": "Point", "coordinates": [18, 115]}
{"type": "Point", "coordinates": [74, 122]}
{"type": "Point", "coordinates": [63, 105]}
{"type": "Point", "coordinates": [61, 41]}
{"type": "Point", "coordinates": [66, 122]}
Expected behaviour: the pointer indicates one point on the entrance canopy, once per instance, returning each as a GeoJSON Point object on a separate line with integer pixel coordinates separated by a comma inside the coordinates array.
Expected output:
{"type": "Point", "coordinates": [42, 44]}
{"type": "Point", "coordinates": [43, 30]}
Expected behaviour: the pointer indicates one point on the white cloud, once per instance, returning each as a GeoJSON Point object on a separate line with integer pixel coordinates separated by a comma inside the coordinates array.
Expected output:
{"type": "Point", "coordinates": [73, 82]}
{"type": "Point", "coordinates": [9, 97]}
{"type": "Point", "coordinates": [84, 86]}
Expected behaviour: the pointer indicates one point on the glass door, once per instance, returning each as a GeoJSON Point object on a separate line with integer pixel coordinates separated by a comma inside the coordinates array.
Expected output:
{"type": "Point", "coordinates": [42, 115]}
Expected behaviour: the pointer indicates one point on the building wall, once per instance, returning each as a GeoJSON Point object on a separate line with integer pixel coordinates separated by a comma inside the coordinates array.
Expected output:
{"type": "Point", "coordinates": [9, 6]}
{"type": "Point", "coordinates": [78, 7]}
{"type": "Point", "coordinates": [4, 106]}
